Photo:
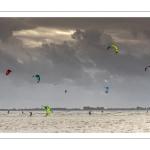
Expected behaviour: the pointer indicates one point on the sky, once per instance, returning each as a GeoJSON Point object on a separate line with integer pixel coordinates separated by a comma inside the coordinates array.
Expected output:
{"type": "Point", "coordinates": [72, 52]}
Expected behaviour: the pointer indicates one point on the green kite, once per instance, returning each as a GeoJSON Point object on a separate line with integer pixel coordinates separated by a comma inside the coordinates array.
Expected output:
{"type": "Point", "coordinates": [38, 78]}
{"type": "Point", "coordinates": [115, 47]}
{"type": "Point", "coordinates": [48, 110]}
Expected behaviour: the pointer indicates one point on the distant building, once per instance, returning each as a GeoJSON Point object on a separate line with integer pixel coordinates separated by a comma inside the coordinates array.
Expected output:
{"type": "Point", "coordinates": [140, 108]}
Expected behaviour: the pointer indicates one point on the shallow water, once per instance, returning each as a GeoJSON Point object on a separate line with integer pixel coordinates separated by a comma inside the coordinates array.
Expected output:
{"type": "Point", "coordinates": [75, 122]}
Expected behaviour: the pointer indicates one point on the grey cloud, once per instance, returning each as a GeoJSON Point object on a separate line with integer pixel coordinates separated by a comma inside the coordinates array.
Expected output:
{"type": "Point", "coordinates": [83, 23]}
{"type": "Point", "coordinates": [8, 25]}
{"type": "Point", "coordinates": [92, 34]}
{"type": "Point", "coordinates": [127, 64]}
{"type": "Point", "coordinates": [65, 62]}
{"type": "Point", "coordinates": [84, 62]}
{"type": "Point", "coordinates": [77, 35]}
{"type": "Point", "coordinates": [89, 35]}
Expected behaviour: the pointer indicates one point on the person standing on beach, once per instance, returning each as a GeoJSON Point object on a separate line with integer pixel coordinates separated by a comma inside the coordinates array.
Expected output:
{"type": "Point", "coordinates": [8, 112]}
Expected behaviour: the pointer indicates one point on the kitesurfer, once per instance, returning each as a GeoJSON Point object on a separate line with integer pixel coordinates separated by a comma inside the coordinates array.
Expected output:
{"type": "Point", "coordinates": [89, 113]}
{"type": "Point", "coordinates": [30, 113]}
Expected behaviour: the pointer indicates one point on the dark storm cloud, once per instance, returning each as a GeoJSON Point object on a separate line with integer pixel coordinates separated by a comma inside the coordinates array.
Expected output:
{"type": "Point", "coordinates": [8, 25]}
{"type": "Point", "coordinates": [134, 25]}
{"type": "Point", "coordinates": [83, 23]}
{"type": "Point", "coordinates": [71, 60]}
{"type": "Point", "coordinates": [83, 61]}
{"type": "Point", "coordinates": [77, 34]}
{"type": "Point", "coordinates": [56, 62]}
{"type": "Point", "coordinates": [90, 47]}
{"type": "Point", "coordinates": [6, 61]}
{"type": "Point", "coordinates": [65, 62]}
{"type": "Point", "coordinates": [127, 64]}
{"type": "Point", "coordinates": [89, 35]}
{"type": "Point", "coordinates": [88, 52]}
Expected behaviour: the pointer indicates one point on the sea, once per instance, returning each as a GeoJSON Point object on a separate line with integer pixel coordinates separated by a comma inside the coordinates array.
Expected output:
{"type": "Point", "coordinates": [108, 121]}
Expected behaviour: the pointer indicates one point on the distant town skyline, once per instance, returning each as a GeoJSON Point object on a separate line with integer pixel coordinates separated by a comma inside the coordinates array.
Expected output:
{"type": "Point", "coordinates": [84, 108]}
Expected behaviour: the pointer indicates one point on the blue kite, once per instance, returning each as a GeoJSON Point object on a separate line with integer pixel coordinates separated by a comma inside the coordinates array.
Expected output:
{"type": "Point", "coordinates": [107, 89]}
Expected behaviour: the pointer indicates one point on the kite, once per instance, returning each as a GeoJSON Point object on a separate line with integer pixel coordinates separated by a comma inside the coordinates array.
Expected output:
{"type": "Point", "coordinates": [146, 68]}
{"type": "Point", "coordinates": [38, 78]}
{"type": "Point", "coordinates": [115, 47]}
{"type": "Point", "coordinates": [48, 110]}
{"type": "Point", "coordinates": [56, 85]}
{"type": "Point", "coordinates": [8, 72]}
{"type": "Point", "coordinates": [107, 89]}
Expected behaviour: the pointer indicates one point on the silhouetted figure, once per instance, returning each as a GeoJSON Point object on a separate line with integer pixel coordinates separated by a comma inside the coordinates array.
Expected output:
{"type": "Point", "coordinates": [30, 113]}
{"type": "Point", "coordinates": [89, 113]}
{"type": "Point", "coordinates": [8, 112]}
{"type": "Point", "coordinates": [102, 111]}
{"type": "Point", "coordinates": [147, 111]}
{"type": "Point", "coordinates": [22, 112]}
